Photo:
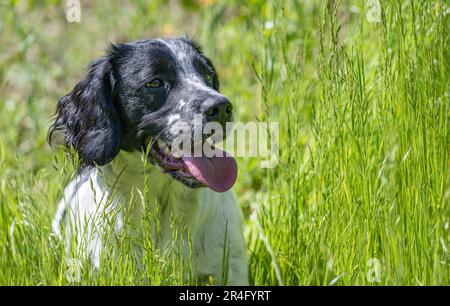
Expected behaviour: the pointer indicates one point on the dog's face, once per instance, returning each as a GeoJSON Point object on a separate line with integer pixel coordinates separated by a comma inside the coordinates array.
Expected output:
{"type": "Point", "coordinates": [141, 96]}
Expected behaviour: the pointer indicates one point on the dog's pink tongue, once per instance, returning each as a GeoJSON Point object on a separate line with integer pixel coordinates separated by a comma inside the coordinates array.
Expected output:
{"type": "Point", "coordinates": [218, 173]}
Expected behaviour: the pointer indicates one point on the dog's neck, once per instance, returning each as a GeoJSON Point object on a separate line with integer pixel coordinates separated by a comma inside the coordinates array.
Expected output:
{"type": "Point", "coordinates": [131, 177]}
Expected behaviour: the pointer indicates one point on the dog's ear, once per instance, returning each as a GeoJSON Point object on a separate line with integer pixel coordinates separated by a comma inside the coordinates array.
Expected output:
{"type": "Point", "coordinates": [88, 118]}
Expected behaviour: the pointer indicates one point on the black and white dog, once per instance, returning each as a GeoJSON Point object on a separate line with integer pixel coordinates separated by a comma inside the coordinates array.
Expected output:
{"type": "Point", "coordinates": [123, 114]}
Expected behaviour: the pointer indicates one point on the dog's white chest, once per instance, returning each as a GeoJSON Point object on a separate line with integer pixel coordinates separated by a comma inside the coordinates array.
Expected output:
{"type": "Point", "coordinates": [196, 222]}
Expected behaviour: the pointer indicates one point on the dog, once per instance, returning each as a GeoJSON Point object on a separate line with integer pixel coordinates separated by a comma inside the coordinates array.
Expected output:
{"type": "Point", "coordinates": [121, 119]}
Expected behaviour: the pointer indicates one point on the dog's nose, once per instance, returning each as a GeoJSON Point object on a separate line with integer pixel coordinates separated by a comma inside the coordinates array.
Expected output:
{"type": "Point", "coordinates": [221, 111]}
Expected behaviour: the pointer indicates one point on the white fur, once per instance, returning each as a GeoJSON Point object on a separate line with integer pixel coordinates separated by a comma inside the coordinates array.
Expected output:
{"type": "Point", "coordinates": [172, 118]}
{"type": "Point", "coordinates": [181, 104]}
{"type": "Point", "coordinates": [90, 202]}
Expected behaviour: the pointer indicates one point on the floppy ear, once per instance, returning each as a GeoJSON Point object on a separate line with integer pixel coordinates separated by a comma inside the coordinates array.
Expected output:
{"type": "Point", "coordinates": [88, 118]}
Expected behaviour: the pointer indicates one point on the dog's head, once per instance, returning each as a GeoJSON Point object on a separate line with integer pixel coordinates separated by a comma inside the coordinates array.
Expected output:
{"type": "Point", "coordinates": [142, 96]}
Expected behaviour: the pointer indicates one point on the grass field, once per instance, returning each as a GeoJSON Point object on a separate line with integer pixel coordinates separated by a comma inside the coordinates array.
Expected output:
{"type": "Point", "coordinates": [361, 194]}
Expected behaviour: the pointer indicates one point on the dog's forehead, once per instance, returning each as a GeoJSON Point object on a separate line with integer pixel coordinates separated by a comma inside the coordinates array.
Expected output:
{"type": "Point", "coordinates": [181, 49]}
{"type": "Point", "coordinates": [173, 51]}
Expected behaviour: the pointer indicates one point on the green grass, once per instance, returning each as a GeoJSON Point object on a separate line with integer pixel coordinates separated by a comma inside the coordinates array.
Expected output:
{"type": "Point", "coordinates": [364, 114]}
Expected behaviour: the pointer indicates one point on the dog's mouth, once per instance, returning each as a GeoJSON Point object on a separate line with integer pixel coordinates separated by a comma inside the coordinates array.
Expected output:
{"type": "Point", "coordinates": [218, 172]}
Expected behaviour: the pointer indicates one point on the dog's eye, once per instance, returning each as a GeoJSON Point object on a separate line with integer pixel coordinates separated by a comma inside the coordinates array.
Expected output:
{"type": "Point", "coordinates": [156, 83]}
{"type": "Point", "coordinates": [209, 79]}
